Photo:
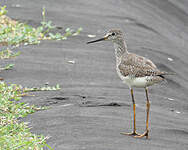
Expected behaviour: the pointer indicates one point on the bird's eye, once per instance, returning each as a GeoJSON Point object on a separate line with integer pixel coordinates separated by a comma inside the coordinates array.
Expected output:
{"type": "Point", "coordinates": [113, 34]}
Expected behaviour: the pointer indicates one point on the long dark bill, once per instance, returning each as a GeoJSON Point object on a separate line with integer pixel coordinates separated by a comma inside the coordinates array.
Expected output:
{"type": "Point", "coordinates": [102, 39]}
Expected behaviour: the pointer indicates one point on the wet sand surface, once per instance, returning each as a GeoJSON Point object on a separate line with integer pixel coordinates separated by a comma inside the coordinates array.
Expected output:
{"type": "Point", "coordinates": [94, 106]}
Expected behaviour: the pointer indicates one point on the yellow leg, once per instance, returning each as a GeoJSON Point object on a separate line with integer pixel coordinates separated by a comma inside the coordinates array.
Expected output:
{"type": "Point", "coordinates": [147, 118]}
{"type": "Point", "coordinates": [134, 118]}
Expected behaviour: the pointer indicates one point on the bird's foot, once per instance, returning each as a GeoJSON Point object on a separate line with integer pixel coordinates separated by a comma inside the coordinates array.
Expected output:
{"type": "Point", "coordinates": [142, 135]}
{"type": "Point", "coordinates": [134, 133]}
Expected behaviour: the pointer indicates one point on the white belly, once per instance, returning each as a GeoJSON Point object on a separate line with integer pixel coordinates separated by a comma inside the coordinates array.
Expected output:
{"type": "Point", "coordinates": [138, 82]}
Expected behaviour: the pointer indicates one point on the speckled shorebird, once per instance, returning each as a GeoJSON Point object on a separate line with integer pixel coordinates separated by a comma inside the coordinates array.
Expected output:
{"type": "Point", "coordinates": [135, 71]}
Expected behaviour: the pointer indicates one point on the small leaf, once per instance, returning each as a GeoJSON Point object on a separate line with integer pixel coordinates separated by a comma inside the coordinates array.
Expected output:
{"type": "Point", "coordinates": [9, 66]}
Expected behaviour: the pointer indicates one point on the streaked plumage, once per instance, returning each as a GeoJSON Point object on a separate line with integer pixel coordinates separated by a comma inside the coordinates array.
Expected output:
{"type": "Point", "coordinates": [135, 71]}
{"type": "Point", "coordinates": [133, 67]}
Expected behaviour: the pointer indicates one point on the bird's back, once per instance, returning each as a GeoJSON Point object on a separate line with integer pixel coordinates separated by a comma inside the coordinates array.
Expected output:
{"type": "Point", "coordinates": [138, 66]}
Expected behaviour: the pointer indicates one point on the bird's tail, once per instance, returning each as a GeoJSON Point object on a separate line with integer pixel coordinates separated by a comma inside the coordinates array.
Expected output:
{"type": "Point", "coordinates": [168, 73]}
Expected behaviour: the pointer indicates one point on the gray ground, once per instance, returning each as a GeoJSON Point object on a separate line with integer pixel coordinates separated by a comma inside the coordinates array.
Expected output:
{"type": "Point", "coordinates": [94, 106]}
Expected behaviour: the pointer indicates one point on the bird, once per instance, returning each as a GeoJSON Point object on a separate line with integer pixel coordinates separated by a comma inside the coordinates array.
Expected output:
{"type": "Point", "coordinates": [135, 71]}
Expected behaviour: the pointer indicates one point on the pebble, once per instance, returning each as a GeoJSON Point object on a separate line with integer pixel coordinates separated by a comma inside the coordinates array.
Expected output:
{"type": "Point", "coordinates": [91, 35]}
{"type": "Point", "coordinates": [170, 59]}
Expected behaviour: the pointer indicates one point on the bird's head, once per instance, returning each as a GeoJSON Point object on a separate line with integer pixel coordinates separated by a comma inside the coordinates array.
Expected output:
{"type": "Point", "coordinates": [112, 35]}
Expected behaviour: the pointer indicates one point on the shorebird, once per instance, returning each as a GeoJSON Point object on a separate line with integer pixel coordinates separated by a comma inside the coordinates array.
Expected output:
{"type": "Point", "coordinates": [135, 71]}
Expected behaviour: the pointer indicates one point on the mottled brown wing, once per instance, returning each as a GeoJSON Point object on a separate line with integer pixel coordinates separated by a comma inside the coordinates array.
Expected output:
{"type": "Point", "coordinates": [137, 66]}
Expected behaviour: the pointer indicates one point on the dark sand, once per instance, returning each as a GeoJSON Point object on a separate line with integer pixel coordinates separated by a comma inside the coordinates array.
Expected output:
{"type": "Point", "coordinates": [94, 106]}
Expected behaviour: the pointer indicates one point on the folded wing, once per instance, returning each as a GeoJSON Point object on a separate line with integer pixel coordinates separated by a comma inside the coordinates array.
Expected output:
{"type": "Point", "coordinates": [138, 66]}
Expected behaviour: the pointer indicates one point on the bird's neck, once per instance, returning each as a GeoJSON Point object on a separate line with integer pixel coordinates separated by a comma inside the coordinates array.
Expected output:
{"type": "Point", "coordinates": [120, 49]}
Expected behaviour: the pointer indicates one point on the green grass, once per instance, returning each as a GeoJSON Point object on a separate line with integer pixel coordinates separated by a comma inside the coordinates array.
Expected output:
{"type": "Point", "coordinates": [44, 88]}
{"type": "Point", "coordinates": [15, 135]}
{"type": "Point", "coordinates": [15, 33]}
{"type": "Point", "coordinates": [7, 53]}
{"type": "Point", "coordinates": [7, 67]}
